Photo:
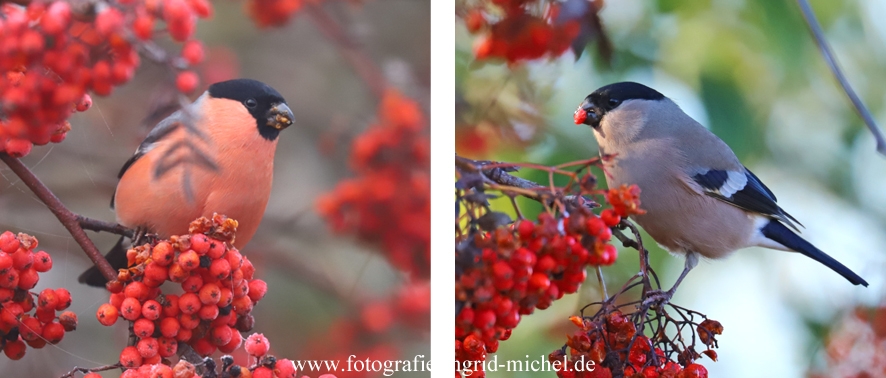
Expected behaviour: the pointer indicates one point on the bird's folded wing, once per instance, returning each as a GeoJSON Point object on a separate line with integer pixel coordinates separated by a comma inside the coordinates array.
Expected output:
{"type": "Point", "coordinates": [162, 129]}
{"type": "Point", "coordinates": [743, 190]}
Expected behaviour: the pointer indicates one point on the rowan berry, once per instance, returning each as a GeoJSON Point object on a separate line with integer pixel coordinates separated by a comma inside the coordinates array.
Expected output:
{"type": "Point", "coordinates": [15, 349]}
{"type": "Point", "coordinates": [107, 314]}
{"type": "Point", "coordinates": [143, 327]}
{"type": "Point", "coordinates": [148, 347]}
{"type": "Point", "coordinates": [186, 81]}
{"type": "Point", "coordinates": [257, 345]}
{"type": "Point", "coordinates": [130, 357]}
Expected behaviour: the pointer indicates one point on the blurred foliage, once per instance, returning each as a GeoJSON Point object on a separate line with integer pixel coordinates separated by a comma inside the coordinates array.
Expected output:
{"type": "Point", "coordinates": [749, 71]}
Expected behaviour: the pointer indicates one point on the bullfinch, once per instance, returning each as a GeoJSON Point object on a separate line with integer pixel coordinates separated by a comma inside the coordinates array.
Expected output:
{"type": "Point", "coordinates": [214, 156]}
{"type": "Point", "coordinates": [699, 199]}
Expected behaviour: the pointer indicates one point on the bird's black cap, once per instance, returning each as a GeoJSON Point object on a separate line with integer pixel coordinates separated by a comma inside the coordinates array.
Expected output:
{"type": "Point", "coordinates": [259, 98]}
{"type": "Point", "coordinates": [610, 97]}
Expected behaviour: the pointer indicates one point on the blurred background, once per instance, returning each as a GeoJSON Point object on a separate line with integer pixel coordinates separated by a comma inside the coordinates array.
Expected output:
{"type": "Point", "coordinates": [320, 284]}
{"type": "Point", "coordinates": [750, 71]}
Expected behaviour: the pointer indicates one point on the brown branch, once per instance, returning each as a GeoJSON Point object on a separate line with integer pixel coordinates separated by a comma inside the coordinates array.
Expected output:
{"type": "Point", "coordinates": [831, 60]}
{"type": "Point", "coordinates": [99, 226]}
{"type": "Point", "coordinates": [65, 216]}
{"type": "Point", "coordinates": [498, 173]}
{"type": "Point", "coordinates": [358, 59]}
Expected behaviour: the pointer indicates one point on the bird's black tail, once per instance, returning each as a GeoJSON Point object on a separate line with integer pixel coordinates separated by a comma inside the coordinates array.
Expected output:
{"type": "Point", "coordinates": [116, 256]}
{"type": "Point", "coordinates": [781, 234]}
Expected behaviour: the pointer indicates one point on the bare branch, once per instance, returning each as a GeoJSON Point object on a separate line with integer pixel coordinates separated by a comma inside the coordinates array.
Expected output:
{"type": "Point", "coordinates": [831, 60]}
{"type": "Point", "coordinates": [65, 216]}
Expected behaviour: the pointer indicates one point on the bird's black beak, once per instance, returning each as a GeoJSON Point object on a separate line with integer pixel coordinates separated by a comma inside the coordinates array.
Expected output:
{"type": "Point", "coordinates": [280, 116]}
{"type": "Point", "coordinates": [587, 114]}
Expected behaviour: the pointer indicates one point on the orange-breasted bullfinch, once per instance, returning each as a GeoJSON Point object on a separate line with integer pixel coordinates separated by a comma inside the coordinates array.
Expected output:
{"type": "Point", "coordinates": [699, 198]}
{"type": "Point", "coordinates": [214, 156]}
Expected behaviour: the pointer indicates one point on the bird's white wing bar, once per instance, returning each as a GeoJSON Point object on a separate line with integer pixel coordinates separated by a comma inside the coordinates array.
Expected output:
{"type": "Point", "coordinates": [743, 190]}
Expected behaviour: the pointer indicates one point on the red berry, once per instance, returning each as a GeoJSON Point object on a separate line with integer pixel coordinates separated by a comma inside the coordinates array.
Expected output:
{"type": "Point", "coordinates": [204, 347]}
{"type": "Point", "coordinates": [220, 269]}
{"type": "Point", "coordinates": [130, 357]}
{"type": "Point", "coordinates": [695, 371]}
{"type": "Point", "coordinates": [610, 217]}
{"type": "Point", "coordinates": [53, 332]}
{"type": "Point", "coordinates": [42, 262]}
{"type": "Point", "coordinates": [193, 284]}
{"type": "Point", "coordinates": [148, 347]}
{"type": "Point", "coordinates": [68, 320]}
{"type": "Point", "coordinates": [208, 312]}
{"type": "Point", "coordinates": [189, 303]}
{"type": "Point", "coordinates": [209, 294]}
{"type": "Point", "coordinates": [9, 243]}
{"type": "Point", "coordinates": [47, 299]}
{"type": "Point", "coordinates": [186, 81]}
{"type": "Point", "coordinates": [30, 328]}
{"type": "Point", "coordinates": [169, 327]}
{"type": "Point", "coordinates": [189, 260]}
{"type": "Point", "coordinates": [257, 345]}
{"type": "Point", "coordinates": [257, 290]}
{"type": "Point", "coordinates": [107, 314]}
{"type": "Point", "coordinates": [15, 350]}
{"type": "Point", "coordinates": [143, 328]}
{"type": "Point", "coordinates": [167, 346]}
{"type": "Point", "coordinates": [231, 346]}
{"type": "Point", "coordinates": [28, 279]}
{"type": "Point", "coordinates": [192, 51]}
{"type": "Point", "coordinates": [85, 102]}
{"type": "Point", "coordinates": [137, 290]}
{"type": "Point", "coordinates": [221, 335]}
{"type": "Point", "coordinates": [131, 309]}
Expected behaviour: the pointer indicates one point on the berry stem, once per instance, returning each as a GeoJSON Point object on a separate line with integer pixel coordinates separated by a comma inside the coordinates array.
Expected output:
{"type": "Point", "coordinates": [64, 215]}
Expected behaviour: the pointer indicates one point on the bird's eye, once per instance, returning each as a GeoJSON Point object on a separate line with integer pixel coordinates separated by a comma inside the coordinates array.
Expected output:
{"type": "Point", "coordinates": [614, 102]}
{"type": "Point", "coordinates": [251, 103]}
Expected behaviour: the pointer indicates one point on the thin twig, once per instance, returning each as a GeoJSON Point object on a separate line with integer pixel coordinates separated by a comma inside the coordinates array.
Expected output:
{"type": "Point", "coordinates": [99, 226]}
{"type": "Point", "coordinates": [831, 60]}
{"type": "Point", "coordinates": [76, 369]}
{"type": "Point", "coordinates": [359, 60]}
{"type": "Point", "coordinates": [65, 216]}
{"type": "Point", "coordinates": [604, 295]}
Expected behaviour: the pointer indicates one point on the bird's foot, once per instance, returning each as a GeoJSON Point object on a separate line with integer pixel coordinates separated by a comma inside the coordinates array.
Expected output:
{"type": "Point", "coordinates": [657, 298]}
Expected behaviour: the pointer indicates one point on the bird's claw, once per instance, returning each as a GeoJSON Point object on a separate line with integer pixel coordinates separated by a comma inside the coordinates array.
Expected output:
{"type": "Point", "coordinates": [657, 297]}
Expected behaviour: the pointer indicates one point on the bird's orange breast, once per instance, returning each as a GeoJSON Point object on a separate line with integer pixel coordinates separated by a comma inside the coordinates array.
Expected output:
{"type": "Point", "coordinates": [228, 171]}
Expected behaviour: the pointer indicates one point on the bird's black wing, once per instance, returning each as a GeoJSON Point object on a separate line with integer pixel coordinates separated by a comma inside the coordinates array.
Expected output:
{"type": "Point", "coordinates": [743, 190]}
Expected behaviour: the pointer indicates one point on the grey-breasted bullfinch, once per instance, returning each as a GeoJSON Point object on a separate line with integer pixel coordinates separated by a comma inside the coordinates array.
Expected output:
{"type": "Point", "coordinates": [699, 198]}
{"type": "Point", "coordinates": [214, 156]}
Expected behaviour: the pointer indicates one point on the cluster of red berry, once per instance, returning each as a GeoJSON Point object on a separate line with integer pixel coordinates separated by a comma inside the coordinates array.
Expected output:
{"type": "Point", "coordinates": [216, 305]}
{"type": "Point", "coordinates": [510, 271]}
{"type": "Point", "coordinates": [19, 268]}
{"type": "Point", "coordinates": [519, 35]}
{"type": "Point", "coordinates": [256, 346]}
{"type": "Point", "coordinates": [389, 202]}
{"type": "Point", "coordinates": [371, 333]}
{"type": "Point", "coordinates": [51, 55]}
{"type": "Point", "coordinates": [267, 13]}
{"type": "Point", "coordinates": [855, 345]}
{"type": "Point", "coordinates": [615, 334]}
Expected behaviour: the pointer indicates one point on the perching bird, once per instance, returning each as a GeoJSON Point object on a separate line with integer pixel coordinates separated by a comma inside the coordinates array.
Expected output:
{"type": "Point", "coordinates": [214, 156]}
{"type": "Point", "coordinates": [699, 199]}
